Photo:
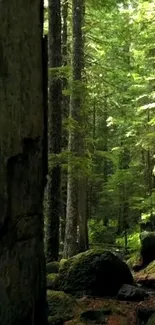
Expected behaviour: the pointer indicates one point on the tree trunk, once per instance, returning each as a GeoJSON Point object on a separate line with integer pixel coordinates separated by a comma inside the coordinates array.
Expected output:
{"type": "Point", "coordinates": [65, 113]}
{"type": "Point", "coordinates": [82, 196]}
{"type": "Point", "coordinates": [70, 247]}
{"type": "Point", "coordinates": [22, 276]}
{"type": "Point", "coordinates": [105, 164]}
{"type": "Point", "coordinates": [83, 244]}
{"type": "Point", "coordinates": [54, 132]}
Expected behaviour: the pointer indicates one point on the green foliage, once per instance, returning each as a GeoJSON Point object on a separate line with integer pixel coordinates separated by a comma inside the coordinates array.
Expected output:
{"type": "Point", "coordinates": [133, 241]}
{"type": "Point", "coordinates": [118, 101]}
{"type": "Point", "coordinates": [99, 234]}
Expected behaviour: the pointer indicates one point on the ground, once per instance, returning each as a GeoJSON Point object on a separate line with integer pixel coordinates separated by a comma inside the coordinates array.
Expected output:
{"type": "Point", "coordinates": [123, 313]}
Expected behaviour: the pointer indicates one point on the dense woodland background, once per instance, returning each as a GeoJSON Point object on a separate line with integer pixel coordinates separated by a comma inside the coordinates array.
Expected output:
{"type": "Point", "coordinates": [101, 124]}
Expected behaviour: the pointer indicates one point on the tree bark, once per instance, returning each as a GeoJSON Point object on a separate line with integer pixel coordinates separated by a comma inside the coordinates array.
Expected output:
{"type": "Point", "coordinates": [70, 246]}
{"type": "Point", "coordinates": [65, 114]}
{"type": "Point", "coordinates": [22, 276]}
{"type": "Point", "coordinates": [54, 131]}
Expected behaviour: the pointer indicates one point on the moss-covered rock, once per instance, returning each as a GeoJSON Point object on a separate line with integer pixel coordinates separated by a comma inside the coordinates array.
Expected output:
{"type": "Point", "coordinates": [52, 267]}
{"type": "Point", "coordinates": [62, 262]}
{"type": "Point", "coordinates": [60, 306]}
{"type": "Point", "coordinates": [96, 273]}
{"type": "Point", "coordinates": [51, 281]}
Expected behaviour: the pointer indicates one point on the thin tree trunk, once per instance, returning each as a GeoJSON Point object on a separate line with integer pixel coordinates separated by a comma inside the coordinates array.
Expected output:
{"type": "Point", "coordinates": [83, 244]}
{"type": "Point", "coordinates": [54, 131]}
{"type": "Point", "coordinates": [22, 263]}
{"type": "Point", "coordinates": [105, 162]}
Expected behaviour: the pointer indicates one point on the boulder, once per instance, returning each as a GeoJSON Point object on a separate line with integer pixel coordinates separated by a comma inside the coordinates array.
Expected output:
{"type": "Point", "coordinates": [131, 293]}
{"type": "Point", "coordinates": [147, 247]}
{"type": "Point", "coordinates": [52, 267]}
{"type": "Point", "coordinates": [60, 307]}
{"type": "Point", "coordinates": [144, 313]}
{"type": "Point", "coordinates": [96, 273]}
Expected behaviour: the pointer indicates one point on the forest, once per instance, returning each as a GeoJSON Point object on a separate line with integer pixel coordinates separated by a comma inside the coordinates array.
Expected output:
{"type": "Point", "coordinates": [77, 172]}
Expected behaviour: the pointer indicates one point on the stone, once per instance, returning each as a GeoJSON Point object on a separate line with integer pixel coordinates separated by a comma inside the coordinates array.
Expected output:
{"type": "Point", "coordinates": [131, 293]}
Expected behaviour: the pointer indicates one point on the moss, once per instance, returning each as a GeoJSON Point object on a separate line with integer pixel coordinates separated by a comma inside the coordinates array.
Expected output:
{"type": "Point", "coordinates": [60, 306]}
{"type": "Point", "coordinates": [51, 281]}
{"type": "Point", "coordinates": [95, 272]}
{"type": "Point", "coordinates": [135, 259]}
{"type": "Point", "coordinates": [62, 261]}
{"type": "Point", "coordinates": [52, 267]}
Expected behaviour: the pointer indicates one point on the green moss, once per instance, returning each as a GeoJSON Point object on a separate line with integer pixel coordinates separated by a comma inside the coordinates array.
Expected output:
{"type": "Point", "coordinates": [84, 273]}
{"type": "Point", "coordinates": [52, 267]}
{"type": "Point", "coordinates": [62, 261]}
{"type": "Point", "coordinates": [60, 305]}
{"type": "Point", "coordinates": [51, 281]}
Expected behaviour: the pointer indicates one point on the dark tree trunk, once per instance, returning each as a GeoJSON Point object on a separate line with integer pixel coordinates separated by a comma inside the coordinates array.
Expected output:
{"type": "Point", "coordinates": [65, 113]}
{"type": "Point", "coordinates": [22, 263]}
{"type": "Point", "coordinates": [54, 132]}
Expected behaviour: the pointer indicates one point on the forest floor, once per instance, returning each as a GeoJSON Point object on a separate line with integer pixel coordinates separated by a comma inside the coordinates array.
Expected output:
{"type": "Point", "coordinates": [122, 312]}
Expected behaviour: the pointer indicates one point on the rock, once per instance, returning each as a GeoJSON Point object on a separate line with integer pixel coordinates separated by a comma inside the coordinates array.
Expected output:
{"type": "Point", "coordinates": [52, 267]}
{"type": "Point", "coordinates": [144, 313]}
{"type": "Point", "coordinates": [95, 272]}
{"type": "Point", "coordinates": [131, 293]}
{"type": "Point", "coordinates": [96, 316]}
{"type": "Point", "coordinates": [60, 307]}
{"type": "Point", "coordinates": [147, 247]}
{"type": "Point", "coordinates": [51, 281]}
{"type": "Point", "coordinates": [151, 320]}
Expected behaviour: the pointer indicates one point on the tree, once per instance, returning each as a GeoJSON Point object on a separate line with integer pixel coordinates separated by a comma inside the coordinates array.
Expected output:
{"type": "Point", "coordinates": [22, 279]}
{"type": "Point", "coordinates": [82, 181]}
{"type": "Point", "coordinates": [70, 246]}
{"type": "Point", "coordinates": [65, 113]}
{"type": "Point", "coordinates": [54, 132]}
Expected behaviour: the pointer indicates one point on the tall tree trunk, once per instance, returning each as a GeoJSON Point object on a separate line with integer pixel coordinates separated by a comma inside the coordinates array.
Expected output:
{"type": "Point", "coordinates": [65, 113]}
{"type": "Point", "coordinates": [70, 247]}
{"type": "Point", "coordinates": [82, 195]}
{"type": "Point", "coordinates": [22, 263]}
{"type": "Point", "coordinates": [54, 131]}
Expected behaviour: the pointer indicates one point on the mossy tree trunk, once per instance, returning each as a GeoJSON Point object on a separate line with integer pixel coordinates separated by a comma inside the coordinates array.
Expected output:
{"type": "Point", "coordinates": [54, 132]}
{"type": "Point", "coordinates": [22, 275]}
